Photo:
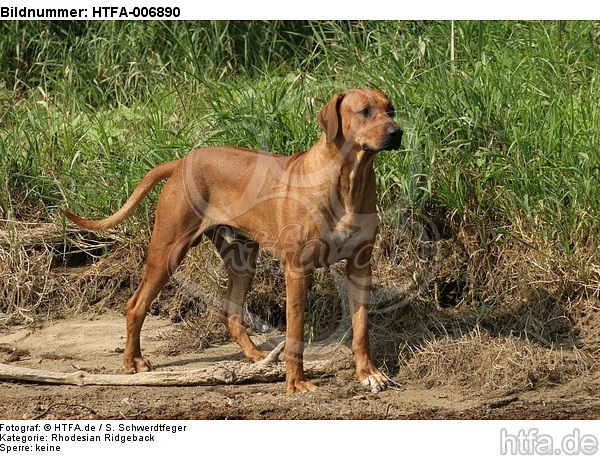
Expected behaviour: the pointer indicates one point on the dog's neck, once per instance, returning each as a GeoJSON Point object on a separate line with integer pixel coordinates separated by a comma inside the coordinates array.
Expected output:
{"type": "Point", "coordinates": [348, 168]}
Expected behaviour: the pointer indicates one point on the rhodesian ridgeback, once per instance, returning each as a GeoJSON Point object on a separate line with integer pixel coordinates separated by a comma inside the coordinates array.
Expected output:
{"type": "Point", "coordinates": [309, 210]}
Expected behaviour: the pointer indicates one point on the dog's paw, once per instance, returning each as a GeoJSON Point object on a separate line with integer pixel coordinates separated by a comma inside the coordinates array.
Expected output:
{"type": "Point", "coordinates": [272, 356]}
{"type": "Point", "coordinates": [258, 356]}
{"type": "Point", "coordinates": [375, 381]}
{"type": "Point", "coordinates": [136, 365]}
{"type": "Point", "coordinates": [300, 386]}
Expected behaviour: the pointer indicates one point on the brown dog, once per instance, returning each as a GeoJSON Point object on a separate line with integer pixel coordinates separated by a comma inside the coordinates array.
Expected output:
{"type": "Point", "coordinates": [309, 210]}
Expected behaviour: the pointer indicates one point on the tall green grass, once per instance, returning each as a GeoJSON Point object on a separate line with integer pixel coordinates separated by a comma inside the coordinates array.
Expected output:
{"type": "Point", "coordinates": [504, 138]}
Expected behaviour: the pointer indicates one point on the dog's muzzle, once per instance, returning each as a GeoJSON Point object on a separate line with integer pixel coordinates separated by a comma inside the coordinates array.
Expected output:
{"type": "Point", "coordinates": [393, 138]}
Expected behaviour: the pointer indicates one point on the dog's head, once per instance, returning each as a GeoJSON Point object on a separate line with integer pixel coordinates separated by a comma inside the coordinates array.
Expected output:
{"type": "Point", "coordinates": [363, 117]}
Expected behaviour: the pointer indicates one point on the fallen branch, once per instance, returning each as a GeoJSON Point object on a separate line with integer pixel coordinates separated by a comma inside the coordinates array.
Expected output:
{"type": "Point", "coordinates": [35, 234]}
{"type": "Point", "coordinates": [222, 373]}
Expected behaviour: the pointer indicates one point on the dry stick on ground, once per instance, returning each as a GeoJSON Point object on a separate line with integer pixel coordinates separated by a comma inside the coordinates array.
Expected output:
{"type": "Point", "coordinates": [63, 404]}
{"type": "Point", "coordinates": [35, 234]}
{"type": "Point", "coordinates": [225, 372]}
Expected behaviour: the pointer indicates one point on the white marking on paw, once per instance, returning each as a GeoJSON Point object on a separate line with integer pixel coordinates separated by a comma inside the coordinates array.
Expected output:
{"type": "Point", "coordinates": [376, 383]}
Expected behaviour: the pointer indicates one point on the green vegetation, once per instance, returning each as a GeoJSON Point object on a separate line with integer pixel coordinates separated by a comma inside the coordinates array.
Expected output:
{"type": "Point", "coordinates": [504, 138]}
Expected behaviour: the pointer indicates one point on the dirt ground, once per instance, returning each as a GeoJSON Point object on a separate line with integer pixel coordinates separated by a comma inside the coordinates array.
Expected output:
{"type": "Point", "coordinates": [95, 343]}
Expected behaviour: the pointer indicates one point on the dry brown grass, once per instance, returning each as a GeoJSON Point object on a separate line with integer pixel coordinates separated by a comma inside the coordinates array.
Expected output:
{"type": "Point", "coordinates": [480, 360]}
{"type": "Point", "coordinates": [445, 311]}
{"type": "Point", "coordinates": [505, 316]}
{"type": "Point", "coordinates": [46, 280]}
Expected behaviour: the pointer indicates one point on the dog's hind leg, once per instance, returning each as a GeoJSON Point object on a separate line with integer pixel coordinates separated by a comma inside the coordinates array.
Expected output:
{"type": "Point", "coordinates": [239, 256]}
{"type": "Point", "coordinates": [162, 261]}
{"type": "Point", "coordinates": [169, 243]}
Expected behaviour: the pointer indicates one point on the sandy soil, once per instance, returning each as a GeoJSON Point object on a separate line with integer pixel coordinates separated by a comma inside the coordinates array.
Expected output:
{"type": "Point", "coordinates": [95, 343]}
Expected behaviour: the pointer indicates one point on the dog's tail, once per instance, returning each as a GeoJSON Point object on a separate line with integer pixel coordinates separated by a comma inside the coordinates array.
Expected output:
{"type": "Point", "coordinates": [147, 183]}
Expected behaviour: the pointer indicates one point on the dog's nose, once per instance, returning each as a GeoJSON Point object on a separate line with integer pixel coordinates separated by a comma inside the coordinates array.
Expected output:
{"type": "Point", "coordinates": [394, 132]}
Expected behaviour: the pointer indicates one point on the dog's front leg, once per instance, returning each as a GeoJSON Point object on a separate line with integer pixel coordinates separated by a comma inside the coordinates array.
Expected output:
{"type": "Point", "coordinates": [358, 273]}
{"type": "Point", "coordinates": [297, 282]}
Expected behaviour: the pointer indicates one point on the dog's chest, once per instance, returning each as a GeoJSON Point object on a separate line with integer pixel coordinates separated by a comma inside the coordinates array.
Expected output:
{"type": "Point", "coordinates": [339, 236]}
{"type": "Point", "coordinates": [349, 232]}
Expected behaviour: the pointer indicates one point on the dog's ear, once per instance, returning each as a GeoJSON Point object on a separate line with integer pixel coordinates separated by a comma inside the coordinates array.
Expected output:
{"type": "Point", "coordinates": [329, 118]}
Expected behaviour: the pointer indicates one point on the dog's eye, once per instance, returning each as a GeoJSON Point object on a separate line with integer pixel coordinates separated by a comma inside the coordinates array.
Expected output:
{"type": "Point", "coordinates": [366, 112]}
